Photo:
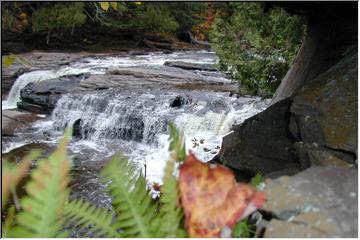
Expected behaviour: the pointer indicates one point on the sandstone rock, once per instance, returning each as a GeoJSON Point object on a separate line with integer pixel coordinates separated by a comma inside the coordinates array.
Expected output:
{"type": "Point", "coordinates": [262, 143]}
{"type": "Point", "coordinates": [191, 66]}
{"type": "Point", "coordinates": [319, 202]}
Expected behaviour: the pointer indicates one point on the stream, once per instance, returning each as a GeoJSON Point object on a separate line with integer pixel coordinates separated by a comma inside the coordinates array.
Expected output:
{"type": "Point", "coordinates": [134, 118]}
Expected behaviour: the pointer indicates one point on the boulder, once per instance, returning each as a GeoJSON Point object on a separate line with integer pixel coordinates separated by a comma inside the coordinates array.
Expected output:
{"type": "Point", "coordinates": [137, 53]}
{"type": "Point", "coordinates": [316, 126]}
{"type": "Point", "coordinates": [262, 144]}
{"type": "Point", "coordinates": [326, 109]}
{"type": "Point", "coordinates": [41, 97]}
{"type": "Point", "coordinates": [13, 120]}
{"type": "Point", "coordinates": [190, 66]}
{"type": "Point", "coordinates": [179, 101]}
{"type": "Point", "coordinates": [318, 202]}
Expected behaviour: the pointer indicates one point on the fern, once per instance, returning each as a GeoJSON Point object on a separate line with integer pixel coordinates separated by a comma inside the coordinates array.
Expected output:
{"type": "Point", "coordinates": [47, 194]}
{"type": "Point", "coordinates": [12, 174]}
{"type": "Point", "coordinates": [83, 214]}
{"type": "Point", "coordinates": [131, 200]}
{"type": "Point", "coordinates": [168, 221]}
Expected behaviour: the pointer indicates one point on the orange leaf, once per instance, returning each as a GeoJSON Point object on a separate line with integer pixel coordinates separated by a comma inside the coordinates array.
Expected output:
{"type": "Point", "coordinates": [212, 199]}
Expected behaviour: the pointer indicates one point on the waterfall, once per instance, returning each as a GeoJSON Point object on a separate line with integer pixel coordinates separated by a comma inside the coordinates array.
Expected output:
{"type": "Point", "coordinates": [134, 119]}
{"type": "Point", "coordinates": [36, 76]}
{"type": "Point", "coordinates": [99, 65]}
{"type": "Point", "coordinates": [142, 115]}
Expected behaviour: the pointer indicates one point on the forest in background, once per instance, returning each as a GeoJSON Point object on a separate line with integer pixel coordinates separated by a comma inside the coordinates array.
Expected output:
{"type": "Point", "coordinates": [255, 46]}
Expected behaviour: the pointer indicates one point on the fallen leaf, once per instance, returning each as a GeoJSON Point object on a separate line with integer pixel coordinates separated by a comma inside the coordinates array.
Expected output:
{"type": "Point", "coordinates": [212, 199]}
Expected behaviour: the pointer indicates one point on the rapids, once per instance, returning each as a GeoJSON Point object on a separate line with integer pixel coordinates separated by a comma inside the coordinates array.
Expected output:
{"type": "Point", "coordinates": [134, 119]}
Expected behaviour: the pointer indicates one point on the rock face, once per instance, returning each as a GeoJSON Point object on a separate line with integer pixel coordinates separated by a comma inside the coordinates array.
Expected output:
{"type": "Point", "coordinates": [12, 120]}
{"type": "Point", "coordinates": [317, 126]}
{"type": "Point", "coordinates": [262, 143]}
{"type": "Point", "coordinates": [190, 66]}
{"type": "Point", "coordinates": [41, 97]}
{"type": "Point", "coordinates": [326, 109]}
{"type": "Point", "coordinates": [319, 202]}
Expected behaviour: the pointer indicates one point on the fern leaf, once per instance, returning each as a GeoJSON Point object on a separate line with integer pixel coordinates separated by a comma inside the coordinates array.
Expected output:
{"type": "Point", "coordinates": [130, 198]}
{"type": "Point", "coordinates": [12, 174]}
{"type": "Point", "coordinates": [47, 194]}
{"type": "Point", "coordinates": [168, 222]}
{"type": "Point", "coordinates": [83, 214]}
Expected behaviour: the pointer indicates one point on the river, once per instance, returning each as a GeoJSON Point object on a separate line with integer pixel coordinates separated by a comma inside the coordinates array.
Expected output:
{"type": "Point", "coordinates": [133, 118]}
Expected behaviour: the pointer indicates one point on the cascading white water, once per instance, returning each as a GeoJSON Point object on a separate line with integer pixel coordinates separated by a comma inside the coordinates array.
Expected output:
{"type": "Point", "coordinates": [38, 76]}
{"type": "Point", "coordinates": [99, 65]}
{"type": "Point", "coordinates": [134, 119]}
{"type": "Point", "coordinates": [141, 116]}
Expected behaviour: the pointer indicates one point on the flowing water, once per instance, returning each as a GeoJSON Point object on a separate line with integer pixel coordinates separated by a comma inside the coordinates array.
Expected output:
{"type": "Point", "coordinates": [134, 119]}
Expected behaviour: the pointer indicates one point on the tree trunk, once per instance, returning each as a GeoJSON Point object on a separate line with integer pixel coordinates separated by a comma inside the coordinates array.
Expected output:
{"type": "Point", "coordinates": [327, 38]}
{"type": "Point", "coordinates": [48, 37]}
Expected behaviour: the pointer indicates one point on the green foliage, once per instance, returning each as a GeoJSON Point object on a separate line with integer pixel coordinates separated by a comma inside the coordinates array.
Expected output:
{"type": "Point", "coordinates": [147, 17]}
{"type": "Point", "coordinates": [81, 214]}
{"type": "Point", "coordinates": [257, 180]}
{"type": "Point", "coordinates": [130, 198]}
{"type": "Point", "coordinates": [47, 193]}
{"type": "Point", "coordinates": [256, 48]}
{"type": "Point", "coordinates": [59, 16]}
{"type": "Point", "coordinates": [46, 208]}
{"type": "Point", "coordinates": [186, 14]}
{"type": "Point", "coordinates": [242, 229]}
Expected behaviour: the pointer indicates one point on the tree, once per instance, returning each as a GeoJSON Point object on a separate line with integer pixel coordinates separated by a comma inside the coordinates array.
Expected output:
{"type": "Point", "coordinates": [256, 48]}
{"type": "Point", "coordinates": [60, 16]}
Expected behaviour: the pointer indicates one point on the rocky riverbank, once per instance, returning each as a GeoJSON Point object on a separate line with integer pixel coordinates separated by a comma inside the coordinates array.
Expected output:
{"type": "Point", "coordinates": [308, 144]}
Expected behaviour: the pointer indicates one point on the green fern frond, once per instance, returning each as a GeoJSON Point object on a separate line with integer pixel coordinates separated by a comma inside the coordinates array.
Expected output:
{"type": "Point", "coordinates": [47, 193]}
{"type": "Point", "coordinates": [168, 221]}
{"type": "Point", "coordinates": [83, 214]}
{"type": "Point", "coordinates": [130, 198]}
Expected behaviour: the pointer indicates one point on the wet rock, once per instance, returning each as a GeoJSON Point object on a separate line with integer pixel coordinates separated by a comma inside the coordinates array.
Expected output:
{"type": "Point", "coordinates": [157, 44]}
{"type": "Point", "coordinates": [137, 53]}
{"type": "Point", "coordinates": [12, 120]}
{"type": "Point", "coordinates": [319, 202]}
{"type": "Point", "coordinates": [42, 96]}
{"type": "Point", "coordinates": [77, 128]}
{"type": "Point", "coordinates": [190, 66]}
{"type": "Point", "coordinates": [179, 101]}
{"type": "Point", "coordinates": [261, 143]}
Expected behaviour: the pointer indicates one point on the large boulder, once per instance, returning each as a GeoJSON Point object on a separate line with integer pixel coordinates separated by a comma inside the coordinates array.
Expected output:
{"type": "Point", "coordinates": [317, 126]}
{"type": "Point", "coordinates": [42, 96]}
{"type": "Point", "coordinates": [319, 202]}
{"type": "Point", "coordinates": [325, 110]}
{"type": "Point", "coordinates": [262, 144]}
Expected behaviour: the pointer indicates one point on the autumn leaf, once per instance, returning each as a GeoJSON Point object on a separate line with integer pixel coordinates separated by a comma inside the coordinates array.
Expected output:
{"type": "Point", "coordinates": [104, 5]}
{"type": "Point", "coordinates": [9, 60]}
{"type": "Point", "coordinates": [212, 199]}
